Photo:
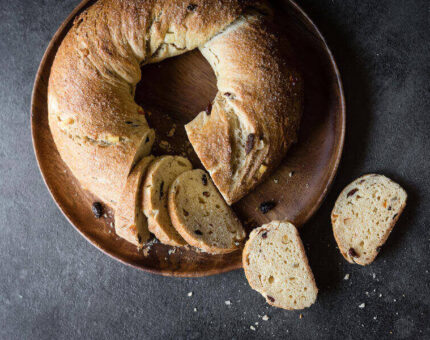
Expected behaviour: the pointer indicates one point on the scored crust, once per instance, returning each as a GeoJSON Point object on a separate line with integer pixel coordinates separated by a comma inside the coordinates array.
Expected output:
{"type": "Point", "coordinates": [200, 215]}
{"type": "Point", "coordinates": [364, 215]}
{"type": "Point", "coordinates": [256, 113]}
{"type": "Point", "coordinates": [159, 177]}
{"type": "Point", "coordinates": [130, 222]}
{"type": "Point", "coordinates": [99, 130]}
{"type": "Point", "coordinates": [275, 265]}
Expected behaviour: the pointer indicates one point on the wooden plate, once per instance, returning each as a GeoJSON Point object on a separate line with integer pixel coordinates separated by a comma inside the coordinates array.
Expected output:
{"type": "Point", "coordinates": [175, 90]}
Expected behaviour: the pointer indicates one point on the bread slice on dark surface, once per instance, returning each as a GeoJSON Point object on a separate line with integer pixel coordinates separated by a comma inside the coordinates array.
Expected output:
{"type": "Point", "coordinates": [162, 172]}
{"type": "Point", "coordinates": [276, 266]}
{"type": "Point", "coordinates": [130, 222]}
{"type": "Point", "coordinates": [364, 215]}
{"type": "Point", "coordinates": [201, 216]}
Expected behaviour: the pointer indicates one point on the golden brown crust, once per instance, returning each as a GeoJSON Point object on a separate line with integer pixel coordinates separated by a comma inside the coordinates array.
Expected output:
{"type": "Point", "coordinates": [256, 113]}
{"type": "Point", "coordinates": [94, 120]}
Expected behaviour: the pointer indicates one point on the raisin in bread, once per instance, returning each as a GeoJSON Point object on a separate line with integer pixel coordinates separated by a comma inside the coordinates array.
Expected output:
{"type": "Point", "coordinates": [130, 222]}
{"type": "Point", "coordinates": [364, 215]}
{"type": "Point", "coordinates": [201, 216]}
{"type": "Point", "coordinates": [160, 176]}
{"type": "Point", "coordinates": [276, 266]}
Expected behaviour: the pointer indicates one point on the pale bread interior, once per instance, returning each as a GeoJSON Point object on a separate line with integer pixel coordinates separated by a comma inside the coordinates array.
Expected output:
{"type": "Point", "coordinates": [364, 215]}
{"type": "Point", "coordinates": [160, 176]}
{"type": "Point", "coordinates": [201, 216]}
{"type": "Point", "coordinates": [276, 265]}
{"type": "Point", "coordinates": [130, 222]}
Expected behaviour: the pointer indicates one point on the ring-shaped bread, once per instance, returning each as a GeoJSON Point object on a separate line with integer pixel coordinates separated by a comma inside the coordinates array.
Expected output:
{"type": "Point", "coordinates": [100, 131]}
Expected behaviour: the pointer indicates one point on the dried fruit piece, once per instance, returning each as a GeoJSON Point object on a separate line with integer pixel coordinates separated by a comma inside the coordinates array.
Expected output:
{"type": "Point", "coordinates": [264, 235]}
{"type": "Point", "coordinates": [265, 207]}
{"type": "Point", "coordinates": [262, 169]}
{"type": "Point", "coordinates": [97, 209]}
{"type": "Point", "coordinates": [161, 190]}
{"type": "Point", "coordinates": [204, 179]}
{"type": "Point", "coordinates": [208, 109]}
{"type": "Point", "coordinates": [186, 213]}
{"type": "Point", "coordinates": [271, 298]}
{"type": "Point", "coordinates": [352, 252]}
{"type": "Point", "coordinates": [198, 232]}
{"type": "Point", "coordinates": [249, 143]}
{"type": "Point", "coordinates": [191, 7]}
{"type": "Point", "coordinates": [206, 193]}
{"type": "Point", "coordinates": [352, 192]}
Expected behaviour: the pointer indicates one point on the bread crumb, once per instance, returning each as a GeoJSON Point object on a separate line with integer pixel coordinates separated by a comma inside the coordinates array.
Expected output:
{"type": "Point", "coordinates": [252, 328]}
{"type": "Point", "coordinates": [228, 302]}
{"type": "Point", "coordinates": [190, 294]}
{"type": "Point", "coordinates": [265, 318]}
{"type": "Point", "coordinates": [256, 323]}
{"type": "Point", "coordinates": [145, 252]}
{"type": "Point", "coordinates": [291, 174]}
{"type": "Point", "coordinates": [171, 251]}
{"type": "Point", "coordinates": [171, 132]}
{"type": "Point", "coordinates": [362, 305]}
{"type": "Point", "coordinates": [262, 169]}
{"type": "Point", "coordinates": [374, 275]}
{"type": "Point", "coordinates": [276, 180]}
{"type": "Point", "coordinates": [164, 145]}
{"type": "Point", "coordinates": [301, 316]}
{"type": "Point", "coordinates": [195, 309]}
{"type": "Point", "coordinates": [346, 277]}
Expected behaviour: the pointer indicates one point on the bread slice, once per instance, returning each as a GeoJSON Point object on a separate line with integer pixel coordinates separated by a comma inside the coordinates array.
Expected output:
{"type": "Point", "coordinates": [130, 222]}
{"type": "Point", "coordinates": [161, 173]}
{"type": "Point", "coordinates": [201, 216]}
{"type": "Point", "coordinates": [364, 215]}
{"type": "Point", "coordinates": [276, 266]}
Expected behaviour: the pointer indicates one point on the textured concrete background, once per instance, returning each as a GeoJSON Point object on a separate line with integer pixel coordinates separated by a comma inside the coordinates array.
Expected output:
{"type": "Point", "coordinates": [53, 284]}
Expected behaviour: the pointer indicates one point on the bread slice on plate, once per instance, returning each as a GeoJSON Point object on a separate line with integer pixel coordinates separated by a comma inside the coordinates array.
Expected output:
{"type": "Point", "coordinates": [201, 216]}
{"type": "Point", "coordinates": [161, 173]}
{"type": "Point", "coordinates": [130, 222]}
{"type": "Point", "coordinates": [364, 215]}
{"type": "Point", "coordinates": [276, 266]}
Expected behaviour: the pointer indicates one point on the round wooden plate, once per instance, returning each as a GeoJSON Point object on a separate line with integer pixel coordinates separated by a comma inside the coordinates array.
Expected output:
{"type": "Point", "coordinates": [174, 91]}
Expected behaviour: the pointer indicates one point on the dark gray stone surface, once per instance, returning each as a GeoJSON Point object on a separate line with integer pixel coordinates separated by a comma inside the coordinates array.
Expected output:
{"type": "Point", "coordinates": [53, 284]}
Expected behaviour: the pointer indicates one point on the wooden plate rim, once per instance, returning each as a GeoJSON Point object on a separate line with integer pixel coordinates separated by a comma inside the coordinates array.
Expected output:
{"type": "Point", "coordinates": [167, 272]}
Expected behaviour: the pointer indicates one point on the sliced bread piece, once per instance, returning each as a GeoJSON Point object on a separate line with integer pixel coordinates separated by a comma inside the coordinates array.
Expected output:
{"type": "Point", "coordinates": [201, 216]}
{"type": "Point", "coordinates": [130, 222]}
{"type": "Point", "coordinates": [364, 215]}
{"type": "Point", "coordinates": [276, 266]}
{"type": "Point", "coordinates": [161, 173]}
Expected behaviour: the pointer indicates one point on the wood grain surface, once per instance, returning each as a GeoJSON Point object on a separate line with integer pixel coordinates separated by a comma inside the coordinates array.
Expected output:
{"type": "Point", "coordinates": [175, 90]}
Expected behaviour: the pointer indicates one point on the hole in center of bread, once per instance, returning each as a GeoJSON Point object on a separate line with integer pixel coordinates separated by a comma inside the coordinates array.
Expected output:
{"type": "Point", "coordinates": [174, 91]}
